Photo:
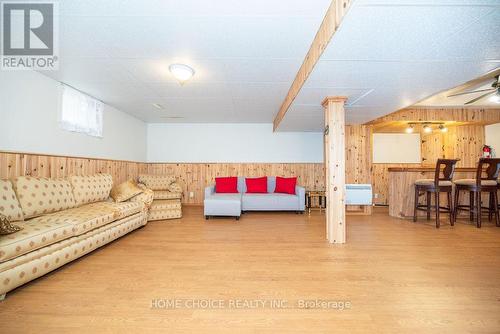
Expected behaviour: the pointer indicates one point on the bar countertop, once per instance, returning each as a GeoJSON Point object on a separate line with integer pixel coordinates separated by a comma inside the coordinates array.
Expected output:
{"type": "Point", "coordinates": [402, 187]}
{"type": "Point", "coordinates": [427, 169]}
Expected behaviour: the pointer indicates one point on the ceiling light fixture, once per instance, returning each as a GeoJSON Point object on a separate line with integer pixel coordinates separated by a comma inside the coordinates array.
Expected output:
{"type": "Point", "coordinates": [427, 128]}
{"type": "Point", "coordinates": [181, 72]}
{"type": "Point", "coordinates": [409, 129]}
{"type": "Point", "coordinates": [443, 128]}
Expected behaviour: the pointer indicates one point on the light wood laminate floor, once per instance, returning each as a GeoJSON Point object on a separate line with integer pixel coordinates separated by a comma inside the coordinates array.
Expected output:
{"type": "Point", "coordinates": [398, 276]}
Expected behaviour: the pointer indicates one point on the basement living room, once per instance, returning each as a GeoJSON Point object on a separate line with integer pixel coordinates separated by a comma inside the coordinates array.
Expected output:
{"type": "Point", "coordinates": [252, 167]}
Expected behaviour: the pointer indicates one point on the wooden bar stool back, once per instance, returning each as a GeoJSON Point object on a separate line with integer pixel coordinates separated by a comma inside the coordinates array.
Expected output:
{"type": "Point", "coordinates": [486, 181]}
{"type": "Point", "coordinates": [442, 183]}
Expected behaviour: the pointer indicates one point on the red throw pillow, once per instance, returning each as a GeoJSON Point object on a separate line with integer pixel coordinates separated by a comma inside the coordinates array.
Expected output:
{"type": "Point", "coordinates": [256, 184]}
{"type": "Point", "coordinates": [285, 185]}
{"type": "Point", "coordinates": [226, 184]}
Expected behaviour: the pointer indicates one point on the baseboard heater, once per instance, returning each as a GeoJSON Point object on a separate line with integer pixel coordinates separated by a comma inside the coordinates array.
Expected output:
{"type": "Point", "coordinates": [358, 194]}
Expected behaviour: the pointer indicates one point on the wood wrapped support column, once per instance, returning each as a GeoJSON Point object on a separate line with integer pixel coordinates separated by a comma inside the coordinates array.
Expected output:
{"type": "Point", "coordinates": [335, 161]}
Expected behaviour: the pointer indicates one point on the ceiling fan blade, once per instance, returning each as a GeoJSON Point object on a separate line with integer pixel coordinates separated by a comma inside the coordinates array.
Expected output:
{"type": "Point", "coordinates": [480, 97]}
{"type": "Point", "coordinates": [474, 91]}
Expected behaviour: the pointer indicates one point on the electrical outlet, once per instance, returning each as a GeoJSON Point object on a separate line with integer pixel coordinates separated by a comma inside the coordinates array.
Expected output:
{"type": "Point", "coordinates": [191, 194]}
{"type": "Point", "coordinates": [376, 196]}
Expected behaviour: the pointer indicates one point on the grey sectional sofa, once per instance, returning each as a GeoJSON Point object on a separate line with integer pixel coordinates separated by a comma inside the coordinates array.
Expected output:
{"type": "Point", "coordinates": [234, 204]}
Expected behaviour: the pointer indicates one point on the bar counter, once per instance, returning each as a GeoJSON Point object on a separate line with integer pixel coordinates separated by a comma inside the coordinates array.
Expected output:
{"type": "Point", "coordinates": [402, 188]}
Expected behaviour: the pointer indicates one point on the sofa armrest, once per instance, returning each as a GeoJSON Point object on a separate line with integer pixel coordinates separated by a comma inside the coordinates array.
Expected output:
{"type": "Point", "coordinates": [301, 192]}
{"type": "Point", "coordinates": [175, 187]}
{"type": "Point", "coordinates": [145, 198]}
{"type": "Point", "coordinates": [210, 190]}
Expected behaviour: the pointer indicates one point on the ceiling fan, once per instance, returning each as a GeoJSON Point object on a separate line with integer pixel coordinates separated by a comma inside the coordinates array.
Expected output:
{"type": "Point", "coordinates": [494, 91]}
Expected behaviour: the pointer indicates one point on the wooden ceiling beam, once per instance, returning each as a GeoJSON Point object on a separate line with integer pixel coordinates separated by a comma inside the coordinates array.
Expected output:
{"type": "Point", "coordinates": [469, 114]}
{"type": "Point", "coordinates": [330, 24]}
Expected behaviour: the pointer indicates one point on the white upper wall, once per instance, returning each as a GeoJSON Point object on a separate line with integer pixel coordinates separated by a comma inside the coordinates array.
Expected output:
{"type": "Point", "coordinates": [29, 103]}
{"type": "Point", "coordinates": [492, 135]}
{"type": "Point", "coordinates": [231, 143]}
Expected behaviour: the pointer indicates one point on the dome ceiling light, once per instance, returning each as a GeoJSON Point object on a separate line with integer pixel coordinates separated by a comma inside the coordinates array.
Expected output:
{"type": "Point", "coordinates": [181, 72]}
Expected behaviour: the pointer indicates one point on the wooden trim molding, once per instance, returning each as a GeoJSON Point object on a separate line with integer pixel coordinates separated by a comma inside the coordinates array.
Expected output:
{"type": "Point", "coordinates": [330, 24]}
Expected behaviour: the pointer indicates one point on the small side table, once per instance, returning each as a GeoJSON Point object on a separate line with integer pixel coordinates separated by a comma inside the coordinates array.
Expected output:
{"type": "Point", "coordinates": [315, 200]}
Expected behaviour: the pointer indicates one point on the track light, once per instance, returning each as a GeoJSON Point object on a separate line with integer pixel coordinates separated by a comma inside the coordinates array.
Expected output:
{"type": "Point", "coordinates": [409, 129]}
{"type": "Point", "coordinates": [443, 128]}
{"type": "Point", "coordinates": [427, 128]}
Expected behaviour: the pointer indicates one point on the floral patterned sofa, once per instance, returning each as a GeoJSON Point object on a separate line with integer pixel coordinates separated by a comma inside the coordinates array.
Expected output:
{"type": "Point", "coordinates": [167, 195]}
{"type": "Point", "coordinates": [60, 221]}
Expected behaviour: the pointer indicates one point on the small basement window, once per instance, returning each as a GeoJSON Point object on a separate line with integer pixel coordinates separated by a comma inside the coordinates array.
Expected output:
{"type": "Point", "coordinates": [80, 112]}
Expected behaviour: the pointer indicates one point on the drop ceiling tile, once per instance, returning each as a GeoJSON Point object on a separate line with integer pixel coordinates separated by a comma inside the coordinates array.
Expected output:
{"type": "Point", "coordinates": [115, 91]}
{"type": "Point", "coordinates": [480, 40]}
{"type": "Point", "coordinates": [265, 90]}
{"type": "Point", "coordinates": [398, 33]}
{"type": "Point", "coordinates": [256, 106]}
{"type": "Point", "coordinates": [178, 8]}
{"type": "Point", "coordinates": [191, 90]}
{"type": "Point", "coordinates": [90, 70]}
{"type": "Point", "coordinates": [74, 38]}
{"type": "Point", "coordinates": [155, 70]}
{"type": "Point", "coordinates": [315, 96]}
{"type": "Point", "coordinates": [207, 36]}
{"type": "Point", "coordinates": [411, 3]}
{"type": "Point", "coordinates": [261, 70]}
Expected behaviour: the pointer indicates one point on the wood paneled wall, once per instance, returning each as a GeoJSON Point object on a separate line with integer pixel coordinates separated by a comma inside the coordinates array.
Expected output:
{"type": "Point", "coordinates": [194, 177]}
{"type": "Point", "coordinates": [18, 164]}
{"type": "Point", "coordinates": [463, 142]}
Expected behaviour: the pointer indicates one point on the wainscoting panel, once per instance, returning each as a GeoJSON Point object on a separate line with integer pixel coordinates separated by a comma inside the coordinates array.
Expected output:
{"type": "Point", "coordinates": [21, 164]}
{"type": "Point", "coordinates": [196, 176]}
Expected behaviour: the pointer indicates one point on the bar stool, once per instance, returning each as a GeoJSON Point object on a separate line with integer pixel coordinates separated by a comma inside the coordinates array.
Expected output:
{"type": "Point", "coordinates": [445, 168]}
{"type": "Point", "coordinates": [486, 181]}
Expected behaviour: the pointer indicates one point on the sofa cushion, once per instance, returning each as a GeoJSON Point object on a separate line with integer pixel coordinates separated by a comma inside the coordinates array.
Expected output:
{"type": "Point", "coordinates": [164, 214]}
{"type": "Point", "coordinates": [175, 187]}
{"type": "Point", "coordinates": [53, 248]}
{"type": "Point", "coordinates": [270, 202]}
{"type": "Point", "coordinates": [472, 182]}
{"type": "Point", "coordinates": [165, 194]}
{"type": "Point", "coordinates": [430, 182]}
{"type": "Point", "coordinates": [156, 182]}
{"type": "Point", "coordinates": [226, 185]}
{"type": "Point", "coordinates": [256, 184]}
{"type": "Point", "coordinates": [92, 188]}
{"type": "Point", "coordinates": [165, 204]}
{"type": "Point", "coordinates": [123, 209]}
{"type": "Point", "coordinates": [9, 205]}
{"type": "Point", "coordinates": [34, 235]}
{"type": "Point", "coordinates": [285, 185]}
{"type": "Point", "coordinates": [90, 216]}
{"type": "Point", "coordinates": [39, 196]}
{"type": "Point", "coordinates": [82, 219]}
{"type": "Point", "coordinates": [125, 191]}
{"type": "Point", "coordinates": [222, 205]}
